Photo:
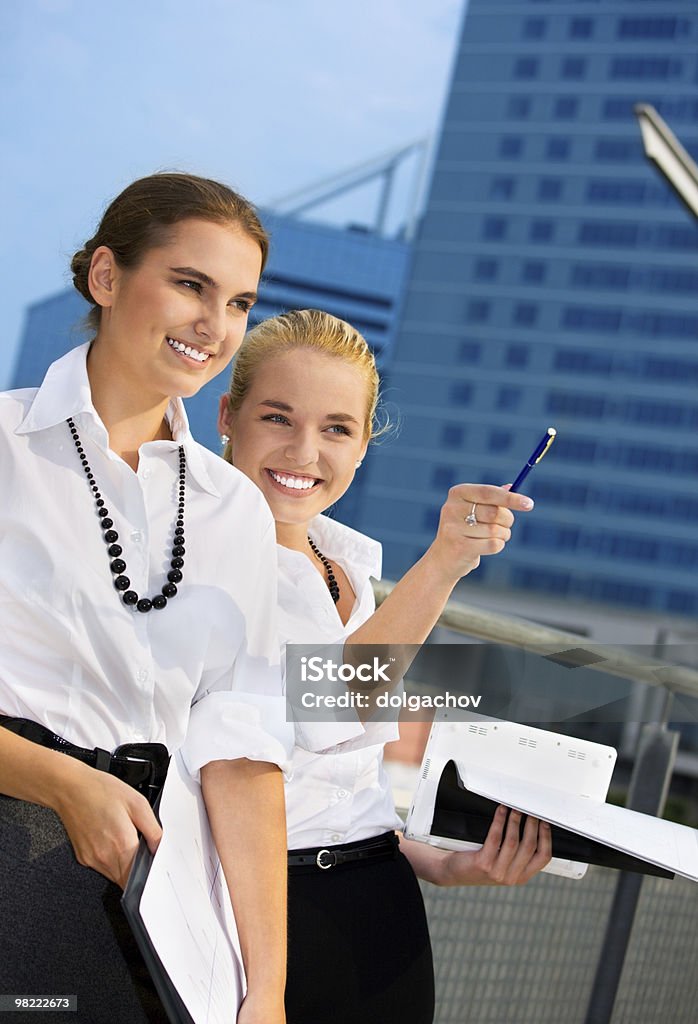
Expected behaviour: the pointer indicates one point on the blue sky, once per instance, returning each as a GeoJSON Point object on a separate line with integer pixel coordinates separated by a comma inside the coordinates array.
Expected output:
{"type": "Point", "coordinates": [267, 95]}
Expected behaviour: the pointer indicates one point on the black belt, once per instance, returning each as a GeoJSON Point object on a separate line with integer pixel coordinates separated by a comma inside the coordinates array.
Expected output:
{"type": "Point", "coordinates": [141, 765]}
{"type": "Point", "coordinates": [384, 847]}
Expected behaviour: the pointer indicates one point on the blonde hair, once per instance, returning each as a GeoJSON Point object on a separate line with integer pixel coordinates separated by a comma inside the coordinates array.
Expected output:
{"type": "Point", "coordinates": [304, 329]}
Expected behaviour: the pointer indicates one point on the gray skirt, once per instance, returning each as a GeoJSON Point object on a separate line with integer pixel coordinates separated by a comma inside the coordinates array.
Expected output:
{"type": "Point", "coordinates": [62, 930]}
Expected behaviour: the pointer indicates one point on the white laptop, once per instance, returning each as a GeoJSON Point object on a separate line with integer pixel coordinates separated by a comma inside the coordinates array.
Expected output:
{"type": "Point", "coordinates": [471, 766]}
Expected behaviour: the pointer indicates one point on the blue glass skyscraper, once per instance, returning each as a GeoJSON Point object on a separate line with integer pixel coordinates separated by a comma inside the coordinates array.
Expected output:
{"type": "Point", "coordinates": [554, 282]}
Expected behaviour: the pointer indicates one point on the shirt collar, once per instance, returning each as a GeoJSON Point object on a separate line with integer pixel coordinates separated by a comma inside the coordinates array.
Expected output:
{"type": "Point", "coordinates": [335, 540]}
{"type": "Point", "coordinates": [65, 392]}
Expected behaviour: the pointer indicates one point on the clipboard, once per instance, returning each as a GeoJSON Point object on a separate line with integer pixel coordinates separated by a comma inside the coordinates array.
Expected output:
{"type": "Point", "coordinates": [130, 902]}
{"type": "Point", "coordinates": [471, 766]}
{"type": "Point", "coordinates": [179, 909]}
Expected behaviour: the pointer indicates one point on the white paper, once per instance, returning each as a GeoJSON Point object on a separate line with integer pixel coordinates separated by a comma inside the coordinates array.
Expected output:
{"type": "Point", "coordinates": [186, 908]}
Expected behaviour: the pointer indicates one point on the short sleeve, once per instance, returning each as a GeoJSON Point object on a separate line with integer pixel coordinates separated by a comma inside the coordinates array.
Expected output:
{"type": "Point", "coordinates": [242, 711]}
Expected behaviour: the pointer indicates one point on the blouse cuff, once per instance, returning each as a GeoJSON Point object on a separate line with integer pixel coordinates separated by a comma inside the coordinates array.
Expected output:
{"type": "Point", "coordinates": [344, 737]}
{"type": "Point", "coordinates": [226, 725]}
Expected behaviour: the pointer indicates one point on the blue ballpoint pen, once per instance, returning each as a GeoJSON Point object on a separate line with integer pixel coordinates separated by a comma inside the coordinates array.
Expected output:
{"type": "Point", "coordinates": [538, 453]}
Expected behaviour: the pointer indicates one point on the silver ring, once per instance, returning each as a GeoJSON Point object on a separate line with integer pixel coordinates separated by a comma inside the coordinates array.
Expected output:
{"type": "Point", "coordinates": [471, 519]}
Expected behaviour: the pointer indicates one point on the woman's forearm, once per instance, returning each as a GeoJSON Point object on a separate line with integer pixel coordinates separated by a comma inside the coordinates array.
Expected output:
{"type": "Point", "coordinates": [245, 804]}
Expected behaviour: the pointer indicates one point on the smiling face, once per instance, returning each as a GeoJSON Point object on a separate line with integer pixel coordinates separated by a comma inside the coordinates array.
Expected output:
{"type": "Point", "coordinates": [173, 322]}
{"type": "Point", "coordinates": [299, 433]}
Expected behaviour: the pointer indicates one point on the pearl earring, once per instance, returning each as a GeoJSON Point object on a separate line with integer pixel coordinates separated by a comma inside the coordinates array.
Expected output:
{"type": "Point", "coordinates": [224, 439]}
{"type": "Point", "coordinates": [358, 464]}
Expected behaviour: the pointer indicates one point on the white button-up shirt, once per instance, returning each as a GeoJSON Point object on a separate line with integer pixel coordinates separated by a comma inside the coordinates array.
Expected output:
{"type": "Point", "coordinates": [74, 657]}
{"type": "Point", "coordinates": [342, 794]}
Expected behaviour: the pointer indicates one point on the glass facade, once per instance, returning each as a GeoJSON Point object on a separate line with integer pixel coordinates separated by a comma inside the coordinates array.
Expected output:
{"type": "Point", "coordinates": [553, 282]}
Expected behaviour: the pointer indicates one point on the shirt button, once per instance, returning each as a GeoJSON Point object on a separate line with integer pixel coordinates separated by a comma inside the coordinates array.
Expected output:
{"type": "Point", "coordinates": [336, 837]}
{"type": "Point", "coordinates": [137, 536]}
{"type": "Point", "coordinates": [142, 675]}
{"type": "Point", "coordinates": [341, 793]}
{"type": "Point", "coordinates": [146, 474]}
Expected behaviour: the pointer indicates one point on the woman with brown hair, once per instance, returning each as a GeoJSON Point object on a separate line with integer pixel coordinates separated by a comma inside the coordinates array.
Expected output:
{"type": "Point", "coordinates": [299, 417]}
{"type": "Point", "coordinates": [131, 624]}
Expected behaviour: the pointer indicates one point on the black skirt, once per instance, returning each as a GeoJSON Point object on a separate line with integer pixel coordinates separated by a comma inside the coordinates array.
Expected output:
{"type": "Point", "coordinates": [358, 946]}
{"type": "Point", "coordinates": [62, 930]}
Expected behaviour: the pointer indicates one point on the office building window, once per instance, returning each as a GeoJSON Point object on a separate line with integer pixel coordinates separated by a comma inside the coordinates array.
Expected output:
{"type": "Point", "coordinates": [631, 68]}
{"type": "Point", "coordinates": [546, 535]}
{"type": "Point", "coordinates": [583, 318]}
{"type": "Point", "coordinates": [461, 393]}
{"type": "Point", "coordinates": [508, 398]}
{"type": "Point", "coordinates": [625, 593]}
{"type": "Point", "coordinates": [469, 351]}
{"type": "Point", "coordinates": [573, 404]}
{"type": "Point", "coordinates": [583, 361]}
{"type": "Point", "coordinates": [619, 108]}
{"type": "Point", "coordinates": [659, 414]}
{"type": "Point", "coordinates": [430, 521]}
{"type": "Point", "coordinates": [516, 356]}
{"type": "Point", "coordinates": [682, 602]}
{"type": "Point", "coordinates": [576, 449]}
{"type": "Point", "coordinates": [477, 311]}
{"type": "Point", "coordinates": [502, 188]}
{"type": "Point", "coordinates": [573, 68]}
{"type": "Point", "coordinates": [557, 148]}
{"type": "Point", "coordinates": [452, 435]}
{"type": "Point", "coordinates": [499, 440]}
{"type": "Point", "coordinates": [443, 477]}
{"type": "Point", "coordinates": [541, 230]}
{"type": "Point", "coordinates": [485, 270]}
{"type": "Point", "coordinates": [494, 228]}
{"type": "Point", "coordinates": [561, 494]}
{"type": "Point", "coordinates": [533, 272]}
{"type": "Point", "coordinates": [609, 276]}
{"type": "Point", "coordinates": [566, 107]}
{"type": "Point", "coordinates": [616, 190]}
{"type": "Point", "coordinates": [581, 28]}
{"type": "Point", "coordinates": [519, 107]}
{"type": "Point", "coordinates": [511, 146]}
{"type": "Point", "coordinates": [549, 189]}
{"type": "Point", "coordinates": [675, 236]}
{"type": "Point", "coordinates": [657, 368]}
{"type": "Point", "coordinates": [541, 579]}
{"type": "Point", "coordinates": [608, 233]}
{"type": "Point", "coordinates": [525, 314]}
{"type": "Point", "coordinates": [674, 280]}
{"type": "Point", "coordinates": [618, 149]}
{"type": "Point", "coordinates": [534, 28]}
{"type": "Point", "coordinates": [526, 67]}
{"type": "Point", "coordinates": [652, 28]}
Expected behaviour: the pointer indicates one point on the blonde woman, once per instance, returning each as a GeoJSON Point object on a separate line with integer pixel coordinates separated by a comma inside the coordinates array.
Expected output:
{"type": "Point", "coordinates": [299, 417]}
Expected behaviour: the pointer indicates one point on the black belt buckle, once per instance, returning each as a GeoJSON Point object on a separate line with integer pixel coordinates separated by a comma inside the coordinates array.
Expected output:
{"type": "Point", "coordinates": [152, 759]}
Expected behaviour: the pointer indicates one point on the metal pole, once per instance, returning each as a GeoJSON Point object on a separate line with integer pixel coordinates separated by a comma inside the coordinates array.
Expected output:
{"type": "Point", "coordinates": [649, 785]}
{"type": "Point", "coordinates": [386, 190]}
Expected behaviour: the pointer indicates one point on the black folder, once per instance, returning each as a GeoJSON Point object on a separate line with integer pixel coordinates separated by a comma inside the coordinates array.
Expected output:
{"type": "Point", "coordinates": [460, 814]}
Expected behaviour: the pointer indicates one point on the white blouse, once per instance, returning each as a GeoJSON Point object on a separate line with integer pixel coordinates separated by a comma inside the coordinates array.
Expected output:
{"type": "Point", "coordinates": [75, 658]}
{"type": "Point", "coordinates": [341, 794]}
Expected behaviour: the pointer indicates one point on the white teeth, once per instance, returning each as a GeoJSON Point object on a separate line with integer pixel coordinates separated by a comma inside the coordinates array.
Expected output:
{"type": "Point", "coordinates": [192, 353]}
{"type": "Point", "coordinates": [293, 482]}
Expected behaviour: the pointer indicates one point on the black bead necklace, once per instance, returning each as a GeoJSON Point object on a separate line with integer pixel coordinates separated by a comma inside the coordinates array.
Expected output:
{"type": "Point", "coordinates": [114, 550]}
{"type": "Point", "coordinates": [332, 584]}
